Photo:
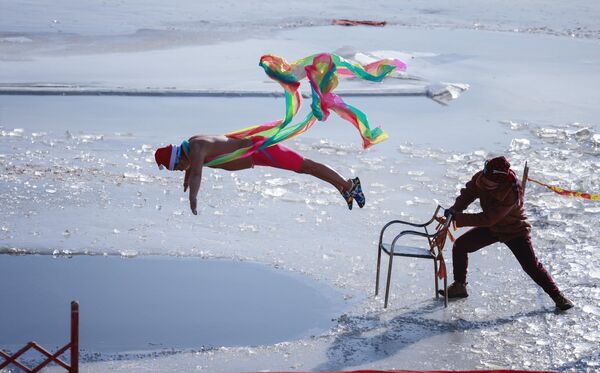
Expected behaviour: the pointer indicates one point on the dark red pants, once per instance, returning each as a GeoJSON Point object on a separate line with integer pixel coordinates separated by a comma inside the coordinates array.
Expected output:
{"type": "Point", "coordinates": [479, 237]}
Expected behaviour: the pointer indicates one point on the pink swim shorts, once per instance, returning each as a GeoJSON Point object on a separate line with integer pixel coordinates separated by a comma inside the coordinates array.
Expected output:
{"type": "Point", "coordinates": [278, 156]}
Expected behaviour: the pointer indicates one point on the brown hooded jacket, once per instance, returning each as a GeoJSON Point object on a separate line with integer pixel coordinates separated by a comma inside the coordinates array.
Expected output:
{"type": "Point", "coordinates": [501, 212]}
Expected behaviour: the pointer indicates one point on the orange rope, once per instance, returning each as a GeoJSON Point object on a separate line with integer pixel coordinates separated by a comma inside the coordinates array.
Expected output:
{"type": "Point", "coordinates": [440, 242]}
{"type": "Point", "coordinates": [564, 192]}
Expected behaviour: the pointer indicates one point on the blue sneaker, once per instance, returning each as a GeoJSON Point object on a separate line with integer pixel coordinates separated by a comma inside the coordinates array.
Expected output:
{"type": "Point", "coordinates": [348, 197]}
{"type": "Point", "coordinates": [357, 193]}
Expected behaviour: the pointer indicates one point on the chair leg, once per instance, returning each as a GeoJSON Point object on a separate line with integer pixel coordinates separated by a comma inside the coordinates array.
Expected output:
{"type": "Point", "coordinates": [389, 279]}
{"type": "Point", "coordinates": [435, 276]}
{"type": "Point", "coordinates": [378, 266]}
{"type": "Point", "coordinates": [446, 291]}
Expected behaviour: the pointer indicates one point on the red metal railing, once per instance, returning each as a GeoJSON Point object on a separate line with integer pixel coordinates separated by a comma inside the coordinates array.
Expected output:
{"type": "Point", "coordinates": [73, 345]}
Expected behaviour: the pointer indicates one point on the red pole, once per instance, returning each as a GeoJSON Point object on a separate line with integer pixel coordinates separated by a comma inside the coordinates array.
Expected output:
{"type": "Point", "coordinates": [74, 337]}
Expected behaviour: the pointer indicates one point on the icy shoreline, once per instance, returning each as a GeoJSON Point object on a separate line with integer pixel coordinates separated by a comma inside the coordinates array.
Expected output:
{"type": "Point", "coordinates": [165, 25]}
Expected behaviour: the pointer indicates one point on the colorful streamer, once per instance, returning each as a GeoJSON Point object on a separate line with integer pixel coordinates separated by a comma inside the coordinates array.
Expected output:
{"type": "Point", "coordinates": [570, 193]}
{"type": "Point", "coordinates": [322, 71]}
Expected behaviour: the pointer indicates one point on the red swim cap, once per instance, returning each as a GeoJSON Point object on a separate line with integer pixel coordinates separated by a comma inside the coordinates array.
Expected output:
{"type": "Point", "coordinates": [166, 157]}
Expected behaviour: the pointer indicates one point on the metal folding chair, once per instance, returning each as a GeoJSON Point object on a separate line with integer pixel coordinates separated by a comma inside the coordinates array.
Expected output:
{"type": "Point", "coordinates": [435, 231]}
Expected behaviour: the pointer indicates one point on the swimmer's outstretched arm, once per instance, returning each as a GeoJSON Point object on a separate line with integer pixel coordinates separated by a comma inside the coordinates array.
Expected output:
{"type": "Point", "coordinates": [197, 156]}
{"type": "Point", "coordinates": [195, 180]}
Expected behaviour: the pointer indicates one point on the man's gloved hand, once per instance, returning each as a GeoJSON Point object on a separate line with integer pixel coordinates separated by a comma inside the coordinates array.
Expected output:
{"type": "Point", "coordinates": [449, 213]}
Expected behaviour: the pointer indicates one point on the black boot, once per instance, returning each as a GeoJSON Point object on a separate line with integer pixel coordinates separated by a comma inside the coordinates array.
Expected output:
{"type": "Point", "coordinates": [456, 290]}
{"type": "Point", "coordinates": [562, 303]}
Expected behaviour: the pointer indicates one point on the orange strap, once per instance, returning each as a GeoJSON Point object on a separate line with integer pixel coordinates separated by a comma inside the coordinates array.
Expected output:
{"type": "Point", "coordinates": [440, 242]}
{"type": "Point", "coordinates": [442, 271]}
{"type": "Point", "coordinates": [441, 222]}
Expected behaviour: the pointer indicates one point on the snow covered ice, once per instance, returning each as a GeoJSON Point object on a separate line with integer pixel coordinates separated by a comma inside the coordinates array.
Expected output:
{"type": "Point", "coordinates": [78, 175]}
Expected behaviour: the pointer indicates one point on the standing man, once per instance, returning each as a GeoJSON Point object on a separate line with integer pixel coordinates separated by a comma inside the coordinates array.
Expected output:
{"type": "Point", "coordinates": [193, 154]}
{"type": "Point", "coordinates": [502, 219]}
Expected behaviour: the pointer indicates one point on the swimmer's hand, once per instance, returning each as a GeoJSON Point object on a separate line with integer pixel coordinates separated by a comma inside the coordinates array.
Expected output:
{"type": "Point", "coordinates": [193, 203]}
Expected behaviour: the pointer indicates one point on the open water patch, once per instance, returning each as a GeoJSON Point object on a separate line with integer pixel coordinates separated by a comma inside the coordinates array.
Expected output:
{"type": "Point", "coordinates": [158, 303]}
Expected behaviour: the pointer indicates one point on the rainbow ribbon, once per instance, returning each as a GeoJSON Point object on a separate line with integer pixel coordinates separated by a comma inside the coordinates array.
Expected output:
{"type": "Point", "coordinates": [322, 71]}
{"type": "Point", "coordinates": [570, 193]}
